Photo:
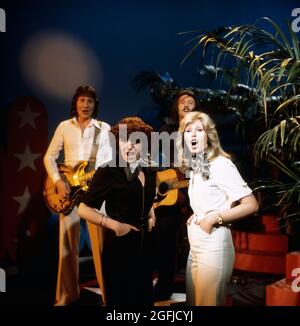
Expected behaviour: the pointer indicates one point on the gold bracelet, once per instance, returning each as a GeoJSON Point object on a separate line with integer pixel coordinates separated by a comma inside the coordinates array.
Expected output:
{"type": "Point", "coordinates": [104, 221]}
{"type": "Point", "coordinates": [100, 219]}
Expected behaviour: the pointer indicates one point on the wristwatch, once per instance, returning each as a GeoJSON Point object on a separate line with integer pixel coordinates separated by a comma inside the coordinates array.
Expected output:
{"type": "Point", "coordinates": [220, 220]}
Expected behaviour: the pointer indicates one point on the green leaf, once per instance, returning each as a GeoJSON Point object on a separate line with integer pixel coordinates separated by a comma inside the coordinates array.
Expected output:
{"type": "Point", "coordinates": [282, 131]}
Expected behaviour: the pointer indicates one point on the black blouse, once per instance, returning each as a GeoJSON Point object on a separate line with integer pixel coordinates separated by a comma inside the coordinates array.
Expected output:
{"type": "Point", "coordinates": [126, 201]}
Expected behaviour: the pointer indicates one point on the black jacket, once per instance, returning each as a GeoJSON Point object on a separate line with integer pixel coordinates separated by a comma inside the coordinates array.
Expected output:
{"type": "Point", "coordinates": [126, 201]}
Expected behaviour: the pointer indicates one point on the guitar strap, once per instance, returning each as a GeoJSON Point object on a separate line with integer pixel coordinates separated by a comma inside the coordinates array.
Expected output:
{"type": "Point", "coordinates": [95, 145]}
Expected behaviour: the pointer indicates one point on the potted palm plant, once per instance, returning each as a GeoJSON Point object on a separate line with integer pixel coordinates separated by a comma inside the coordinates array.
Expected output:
{"type": "Point", "coordinates": [268, 61]}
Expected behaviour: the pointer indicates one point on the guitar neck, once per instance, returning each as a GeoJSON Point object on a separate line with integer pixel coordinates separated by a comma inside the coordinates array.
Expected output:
{"type": "Point", "coordinates": [179, 184]}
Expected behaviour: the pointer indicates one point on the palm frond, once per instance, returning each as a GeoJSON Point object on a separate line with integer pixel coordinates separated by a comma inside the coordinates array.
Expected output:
{"type": "Point", "coordinates": [277, 137]}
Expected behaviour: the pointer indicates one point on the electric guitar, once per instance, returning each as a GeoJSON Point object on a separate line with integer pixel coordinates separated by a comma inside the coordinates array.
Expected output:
{"type": "Point", "coordinates": [77, 179]}
{"type": "Point", "coordinates": [168, 183]}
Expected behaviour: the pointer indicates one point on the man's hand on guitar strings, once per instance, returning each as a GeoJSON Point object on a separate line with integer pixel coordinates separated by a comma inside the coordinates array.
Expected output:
{"type": "Point", "coordinates": [63, 189]}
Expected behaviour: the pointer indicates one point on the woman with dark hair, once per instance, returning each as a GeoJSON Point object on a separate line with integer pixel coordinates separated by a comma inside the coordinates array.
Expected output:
{"type": "Point", "coordinates": [128, 191]}
{"type": "Point", "coordinates": [218, 196]}
{"type": "Point", "coordinates": [80, 138]}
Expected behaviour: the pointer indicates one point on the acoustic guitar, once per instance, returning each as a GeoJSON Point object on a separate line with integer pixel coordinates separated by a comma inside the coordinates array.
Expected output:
{"type": "Point", "coordinates": [77, 179]}
{"type": "Point", "coordinates": [168, 182]}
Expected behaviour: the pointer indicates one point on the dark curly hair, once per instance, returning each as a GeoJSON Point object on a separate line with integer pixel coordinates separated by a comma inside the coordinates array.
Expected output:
{"type": "Point", "coordinates": [84, 90]}
{"type": "Point", "coordinates": [134, 124]}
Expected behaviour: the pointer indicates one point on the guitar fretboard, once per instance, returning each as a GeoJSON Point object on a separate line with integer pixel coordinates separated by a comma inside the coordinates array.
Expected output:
{"type": "Point", "coordinates": [179, 184]}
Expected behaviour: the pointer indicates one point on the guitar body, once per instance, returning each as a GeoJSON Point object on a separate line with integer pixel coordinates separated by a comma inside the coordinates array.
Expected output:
{"type": "Point", "coordinates": [77, 179]}
{"type": "Point", "coordinates": [168, 182]}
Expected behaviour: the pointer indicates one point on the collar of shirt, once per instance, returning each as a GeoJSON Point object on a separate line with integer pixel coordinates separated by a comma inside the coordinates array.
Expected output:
{"type": "Point", "coordinates": [93, 122]}
{"type": "Point", "coordinates": [130, 174]}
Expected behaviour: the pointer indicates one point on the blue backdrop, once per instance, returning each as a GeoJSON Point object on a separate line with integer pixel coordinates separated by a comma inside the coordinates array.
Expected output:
{"type": "Point", "coordinates": [50, 47]}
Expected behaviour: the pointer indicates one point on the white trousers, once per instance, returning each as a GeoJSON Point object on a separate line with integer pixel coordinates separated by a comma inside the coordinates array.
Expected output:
{"type": "Point", "coordinates": [209, 266]}
{"type": "Point", "coordinates": [67, 288]}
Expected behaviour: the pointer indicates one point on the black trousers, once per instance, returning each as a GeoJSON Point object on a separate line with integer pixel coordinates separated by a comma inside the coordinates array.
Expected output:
{"type": "Point", "coordinates": [169, 220]}
{"type": "Point", "coordinates": [127, 269]}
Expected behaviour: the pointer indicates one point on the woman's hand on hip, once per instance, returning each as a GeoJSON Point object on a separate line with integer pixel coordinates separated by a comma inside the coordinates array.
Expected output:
{"type": "Point", "coordinates": [208, 222]}
{"type": "Point", "coordinates": [189, 221]}
{"type": "Point", "coordinates": [124, 228]}
{"type": "Point", "coordinates": [151, 223]}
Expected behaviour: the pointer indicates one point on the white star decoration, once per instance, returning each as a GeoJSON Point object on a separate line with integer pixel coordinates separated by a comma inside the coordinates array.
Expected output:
{"type": "Point", "coordinates": [23, 200]}
{"type": "Point", "coordinates": [27, 159]}
{"type": "Point", "coordinates": [28, 117]}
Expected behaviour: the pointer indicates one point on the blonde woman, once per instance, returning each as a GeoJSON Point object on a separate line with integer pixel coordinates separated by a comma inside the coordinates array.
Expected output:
{"type": "Point", "coordinates": [215, 185]}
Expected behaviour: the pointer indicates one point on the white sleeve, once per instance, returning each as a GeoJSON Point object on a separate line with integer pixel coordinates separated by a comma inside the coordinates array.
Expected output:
{"type": "Point", "coordinates": [228, 179]}
{"type": "Point", "coordinates": [104, 153]}
{"type": "Point", "coordinates": [56, 145]}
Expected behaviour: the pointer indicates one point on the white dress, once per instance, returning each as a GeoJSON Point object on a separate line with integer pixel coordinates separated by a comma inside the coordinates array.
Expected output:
{"type": "Point", "coordinates": [211, 256]}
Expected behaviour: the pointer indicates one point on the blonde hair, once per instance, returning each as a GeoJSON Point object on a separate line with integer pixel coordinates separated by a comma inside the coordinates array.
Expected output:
{"type": "Point", "coordinates": [213, 149]}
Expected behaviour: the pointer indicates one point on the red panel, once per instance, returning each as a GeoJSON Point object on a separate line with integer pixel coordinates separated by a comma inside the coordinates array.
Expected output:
{"type": "Point", "coordinates": [272, 242]}
{"type": "Point", "coordinates": [292, 262]}
{"type": "Point", "coordinates": [260, 262]}
{"type": "Point", "coordinates": [26, 142]}
{"type": "Point", "coordinates": [281, 294]}
{"type": "Point", "coordinates": [271, 223]}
